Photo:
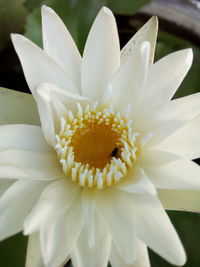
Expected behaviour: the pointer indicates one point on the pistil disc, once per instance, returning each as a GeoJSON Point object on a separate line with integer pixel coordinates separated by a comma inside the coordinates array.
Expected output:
{"type": "Point", "coordinates": [95, 146]}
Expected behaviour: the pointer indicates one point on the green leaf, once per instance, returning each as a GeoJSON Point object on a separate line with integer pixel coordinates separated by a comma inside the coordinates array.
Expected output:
{"type": "Point", "coordinates": [77, 16]}
{"type": "Point", "coordinates": [126, 6]}
{"type": "Point", "coordinates": [12, 19]}
{"type": "Point", "coordinates": [17, 107]}
{"type": "Point", "coordinates": [168, 43]}
{"type": "Point", "coordinates": [31, 4]}
{"type": "Point", "coordinates": [13, 251]}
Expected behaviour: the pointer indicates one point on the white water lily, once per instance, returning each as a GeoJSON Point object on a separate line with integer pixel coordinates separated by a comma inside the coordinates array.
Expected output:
{"type": "Point", "coordinates": [113, 151]}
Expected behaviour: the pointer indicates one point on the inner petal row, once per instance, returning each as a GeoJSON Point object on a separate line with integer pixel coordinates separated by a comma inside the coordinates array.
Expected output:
{"type": "Point", "coordinates": [96, 146]}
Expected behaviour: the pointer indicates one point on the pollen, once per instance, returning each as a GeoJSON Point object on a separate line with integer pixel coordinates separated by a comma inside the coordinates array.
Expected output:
{"type": "Point", "coordinates": [95, 146]}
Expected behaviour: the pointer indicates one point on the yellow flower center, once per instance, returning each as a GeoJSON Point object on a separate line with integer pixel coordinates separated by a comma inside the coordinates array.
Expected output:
{"type": "Point", "coordinates": [96, 146]}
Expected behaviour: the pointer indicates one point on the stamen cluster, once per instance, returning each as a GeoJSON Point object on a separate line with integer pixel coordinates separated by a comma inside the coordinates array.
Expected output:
{"type": "Point", "coordinates": [100, 121]}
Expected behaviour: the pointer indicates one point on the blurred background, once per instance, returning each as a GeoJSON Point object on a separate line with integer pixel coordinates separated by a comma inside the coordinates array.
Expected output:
{"type": "Point", "coordinates": [179, 28]}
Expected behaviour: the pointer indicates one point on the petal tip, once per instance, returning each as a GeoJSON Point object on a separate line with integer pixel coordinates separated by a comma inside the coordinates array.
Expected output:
{"type": "Point", "coordinates": [106, 11]}
{"type": "Point", "coordinates": [47, 9]}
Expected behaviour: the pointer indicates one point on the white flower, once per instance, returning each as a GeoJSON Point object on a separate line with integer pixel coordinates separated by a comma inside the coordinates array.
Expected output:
{"type": "Point", "coordinates": [117, 150]}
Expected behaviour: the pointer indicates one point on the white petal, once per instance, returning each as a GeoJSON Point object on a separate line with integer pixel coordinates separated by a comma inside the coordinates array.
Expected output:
{"type": "Point", "coordinates": [164, 120]}
{"type": "Point", "coordinates": [44, 104]}
{"type": "Point", "coordinates": [184, 200]}
{"type": "Point", "coordinates": [185, 142]}
{"type": "Point", "coordinates": [155, 229]}
{"type": "Point", "coordinates": [17, 107]}
{"type": "Point", "coordinates": [142, 259]}
{"type": "Point", "coordinates": [101, 56]}
{"type": "Point", "coordinates": [59, 236]}
{"type": "Point", "coordinates": [32, 159]}
{"type": "Point", "coordinates": [172, 70]}
{"type": "Point", "coordinates": [4, 185]}
{"type": "Point", "coordinates": [137, 182]}
{"type": "Point", "coordinates": [59, 45]}
{"type": "Point", "coordinates": [15, 205]}
{"type": "Point", "coordinates": [98, 255]}
{"type": "Point", "coordinates": [38, 67]}
{"type": "Point", "coordinates": [54, 201]}
{"type": "Point", "coordinates": [128, 82]}
{"type": "Point", "coordinates": [115, 212]}
{"type": "Point", "coordinates": [156, 158]}
{"type": "Point", "coordinates": [181, 174]}
{"type": "Point", "coordinates": [53, 103]}
{"type": "Point", "coordinates": [34, 255]}
{"type": "Point", "coordinates": [20, 164]}
{"type": "Point", "coordinates": [24, 137]}
{"type": "Point", "coordinates": [89, 207]}
{"type": "Point", "coordinates": [147, 33]}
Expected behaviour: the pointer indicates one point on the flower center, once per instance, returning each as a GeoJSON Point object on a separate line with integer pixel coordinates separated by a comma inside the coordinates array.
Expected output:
{"type": "Point", "coordinates": [96, 146]}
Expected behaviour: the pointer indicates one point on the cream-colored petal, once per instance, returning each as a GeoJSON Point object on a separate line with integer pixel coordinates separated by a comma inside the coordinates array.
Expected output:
{"type": "Point", "coordinates": [155, 229]}
{"type": "Point", "coordinates": [59, 45]}
{"type": "Point", "coordinates": [23, 164]}
{"type": "Point", "coordinates": [44, 103]}
{"type": "Point", "coordinates": [15, 205]}
{"type": "Point", "coordinates": [128, 82]}
{"type": "Point", "coordinates": [155, 158]}
{"type": "Point", "coordinates": [180, 174]}
{"type": "Point", "coordinates": [30, 159]}
{"type": "Point", "coordinates": [165, 120]}
{"type": "Point", "coordinates": [58, 236]}
{"type": "Point", "coordinates": [147, 33]}
{"type": "Point", "coordinates": [89, 213]}
{"type": "Point", "coordinates": [137, 182]}
{"type": "Point", "coordinates": [98, 255]}
{"type": "Point", "coordinates": [172, 70]}
{"type": "Point", "coordinates": [101, 56]}
{"type": "Point", "coordinates": [38, 67]}
{"type": "Point", "coordinates": [56, 199]}
{"type": "Point", "coordinates": [34, 253]}
{"type": "Point", "coordinates": [17, 107]}
{"type": "Point", "coordinates": [24, 137]}
{"type": "Point", "coordinates": [142, 259]}
{"type": "Point", "coordinates": [183, 200]}
{"type": "Point", "coordinates": [184, 142]}
{"type": "Point", "coordinates": [115, 210]}
{"type": "Point", "coordinates": [4, 185]}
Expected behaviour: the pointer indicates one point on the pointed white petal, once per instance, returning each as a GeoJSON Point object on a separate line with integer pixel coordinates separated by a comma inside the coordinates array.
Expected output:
{"type": "Point", "coordinates": [181, 174]}
{"type": "Point", "coordinates": [155, 229]}
{"type": "Point", "coordinates": [15, 205]}
{"type": "Point", "coordinates": [98, 255]}
{"type": "Point", "coordinates": [59, 45]}
{"type": "Point", "coordinates": [147, 33]}
{"type": "Point", "coordinates": [137, 182]}
{"type": "Point", "coordinates": [172, 70]}
{"type": "Point", "coordinates": [38, 67]}
{"type": "Point", "coordinates": [44, 103]}
{"type": "Point", "coordinates": [4, 185]}
{"type": "Point", "coordinates": [34, 255]}
{"type": "Point", "coordinates": [128, 82]}
{"type": "Point", "coordinates": [184, 200]}
{"type": "Point", "coordinates": [26, 137]}
{"type": "Point", "coordinates": [58, 236]}
{"type": "Point", "coordinates": [115, 208]}
{"type": "Point", "coordinates": [89, 207]}
{"type": "Point", "coordinates": [17, 107]}
{"type": "Point", "coordinates": [165, 120]}
{"type": "Point", "coordinates": [101, 56]}
{"type": "Point", "coordinates": [156, 158]}
{"type": "Point", "coordinates": [185, 142]}
{"type": "Point", "coordinates": [54, 201]}
{"type": "Point", "coordinates": [142, 259]}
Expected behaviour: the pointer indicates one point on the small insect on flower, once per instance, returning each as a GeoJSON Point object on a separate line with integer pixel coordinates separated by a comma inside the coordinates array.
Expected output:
{"type": "Point", "coordinates": [112, 153]}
